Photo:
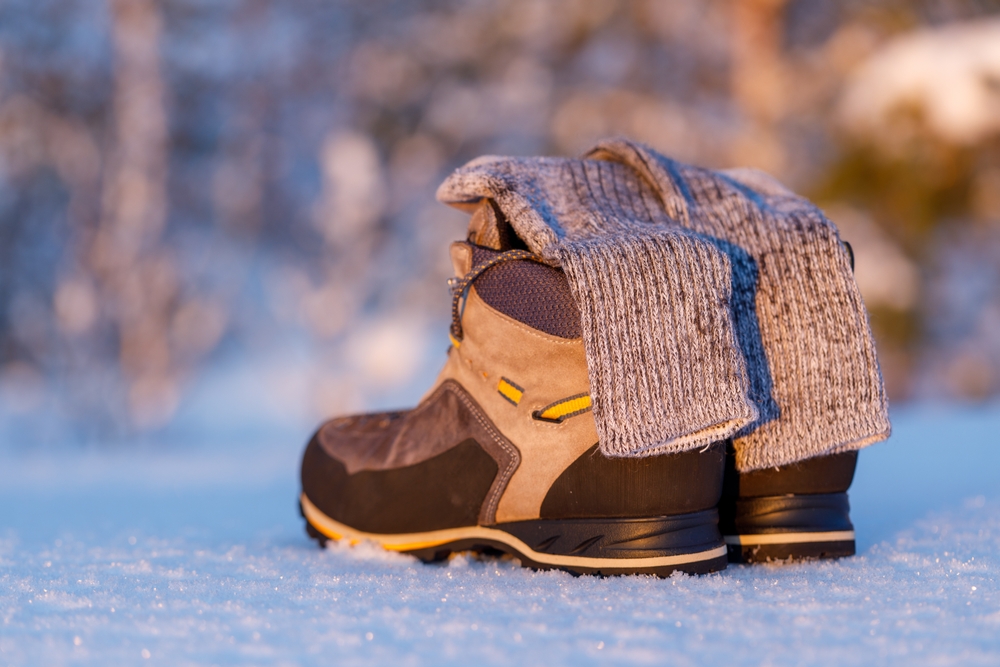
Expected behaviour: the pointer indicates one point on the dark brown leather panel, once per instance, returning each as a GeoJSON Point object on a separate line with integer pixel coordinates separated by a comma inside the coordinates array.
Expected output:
{"type": "Point", "coordinates": [823, 474]}
{"type": "Point", "coordinates": [370, 441]}
{"type": "Point", "coordinates": [386, 440]}
{"type": "Point", "coordinates": [601, 487]}
{"type": "Point", "coordinates": [393, 440]}
{"type": "Point", "coordinates": [446, 491]}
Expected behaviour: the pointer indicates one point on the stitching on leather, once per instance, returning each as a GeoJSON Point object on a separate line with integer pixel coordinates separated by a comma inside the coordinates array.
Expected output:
{"type": "Point", "coordinates": [549, 338]}
{"type": "Point", "coordinates": [515, 455]}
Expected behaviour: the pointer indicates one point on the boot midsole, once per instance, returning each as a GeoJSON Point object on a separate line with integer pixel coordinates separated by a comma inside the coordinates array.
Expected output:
{"type": "Point", "coordinates": [405, 542]}
{"type": "Point", "coordinates": [621, 538]}
{"type": "Point", "coordinates": [790, 538]}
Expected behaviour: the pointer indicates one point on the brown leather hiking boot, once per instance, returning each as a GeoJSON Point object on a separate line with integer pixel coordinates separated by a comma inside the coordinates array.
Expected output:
{"type": "Point", "coordinates": [502, 453]}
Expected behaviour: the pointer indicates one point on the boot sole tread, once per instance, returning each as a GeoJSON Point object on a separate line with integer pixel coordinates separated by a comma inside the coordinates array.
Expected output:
{"type": "Point", "coordinates": [439, 544]}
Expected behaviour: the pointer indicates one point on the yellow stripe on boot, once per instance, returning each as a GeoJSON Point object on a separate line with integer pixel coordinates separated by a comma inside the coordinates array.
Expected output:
{"type": "Point", "coordinates": [564, 409]}
{"type": "Point", "coordinates": [510, 391]}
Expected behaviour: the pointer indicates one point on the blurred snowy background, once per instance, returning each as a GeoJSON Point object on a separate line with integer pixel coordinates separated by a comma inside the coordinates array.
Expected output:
{"type": "Point", "coordinates": [218, 226]}
{"type": "Point", "coordinates": [218, 218]}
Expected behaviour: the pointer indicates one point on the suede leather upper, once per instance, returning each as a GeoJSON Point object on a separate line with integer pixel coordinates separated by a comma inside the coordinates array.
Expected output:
{"type": "Point", "coordinates": [472, 405]}
{"type": "Point", "coordinates": [465, 403]}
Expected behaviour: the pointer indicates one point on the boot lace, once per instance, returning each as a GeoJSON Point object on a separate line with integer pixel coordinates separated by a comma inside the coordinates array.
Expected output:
{"type": "Point", "coordinates": [460, 286]}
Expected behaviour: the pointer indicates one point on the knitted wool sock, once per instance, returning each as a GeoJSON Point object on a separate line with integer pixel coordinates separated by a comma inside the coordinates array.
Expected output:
{"type": "Point", "coordinates": [802, 326]}
{"type": "Point", "coordinates": [665, 370]}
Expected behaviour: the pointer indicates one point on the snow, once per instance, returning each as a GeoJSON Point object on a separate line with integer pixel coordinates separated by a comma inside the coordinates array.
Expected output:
{"type": "Point", "coordinates": [196, 556]}
{"type": "Point", "coordinates": [945, 72]}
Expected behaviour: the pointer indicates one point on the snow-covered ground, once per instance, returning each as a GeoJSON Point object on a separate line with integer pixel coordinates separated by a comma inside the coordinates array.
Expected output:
{"type": "Point", "coordinates": [196, 555]}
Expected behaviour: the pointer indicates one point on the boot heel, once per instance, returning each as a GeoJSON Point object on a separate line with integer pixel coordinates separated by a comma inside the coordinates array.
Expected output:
{"type": "Point", "coordinates": [788, 526]}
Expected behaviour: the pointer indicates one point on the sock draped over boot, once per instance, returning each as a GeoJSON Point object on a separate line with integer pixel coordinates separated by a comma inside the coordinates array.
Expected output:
{"type": "Point", "coordinates": [713, 304]}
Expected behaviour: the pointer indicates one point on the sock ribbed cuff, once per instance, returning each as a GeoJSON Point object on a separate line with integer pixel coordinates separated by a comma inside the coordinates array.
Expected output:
{"type": "Point", "coordinates": [802, 326]}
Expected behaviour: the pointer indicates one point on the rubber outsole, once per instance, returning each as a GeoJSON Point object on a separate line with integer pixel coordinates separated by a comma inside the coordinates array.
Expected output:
{"type": "Point", "coordinates": [643, 556]}
{"type": "Point", "coordinates": [788, 527]}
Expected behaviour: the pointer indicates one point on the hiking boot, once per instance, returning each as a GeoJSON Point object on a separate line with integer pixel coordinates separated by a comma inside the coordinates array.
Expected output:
{"type": "Point", "coordinates": [795, 511]}
{"type": "Point", "coordinates": [502, 453]}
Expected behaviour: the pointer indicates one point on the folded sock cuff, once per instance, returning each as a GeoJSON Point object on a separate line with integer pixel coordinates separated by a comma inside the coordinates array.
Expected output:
{"type": "Point", "coordinates": [665, 369]}
{"type": "Point", "coordinates": [802, 325]}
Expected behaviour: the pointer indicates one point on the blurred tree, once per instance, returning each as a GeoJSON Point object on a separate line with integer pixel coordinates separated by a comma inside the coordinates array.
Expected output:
{"type": "Point", "coordinates": [188, 187]}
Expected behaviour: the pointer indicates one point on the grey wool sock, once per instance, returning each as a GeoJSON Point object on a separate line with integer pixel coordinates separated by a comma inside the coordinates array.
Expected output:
{"type": "Point", "coordinates": [666, 373]}
{"type": "Point", "coordinates": [714, 304]}
{"type": "Point", "coordinates": [802, 326]}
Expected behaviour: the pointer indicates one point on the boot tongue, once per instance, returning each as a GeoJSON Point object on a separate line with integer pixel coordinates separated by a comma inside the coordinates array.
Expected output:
{"type": "Point", "coordinates": [489, 228]}
{"type": "Point", "coordinates": [483, 229]}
